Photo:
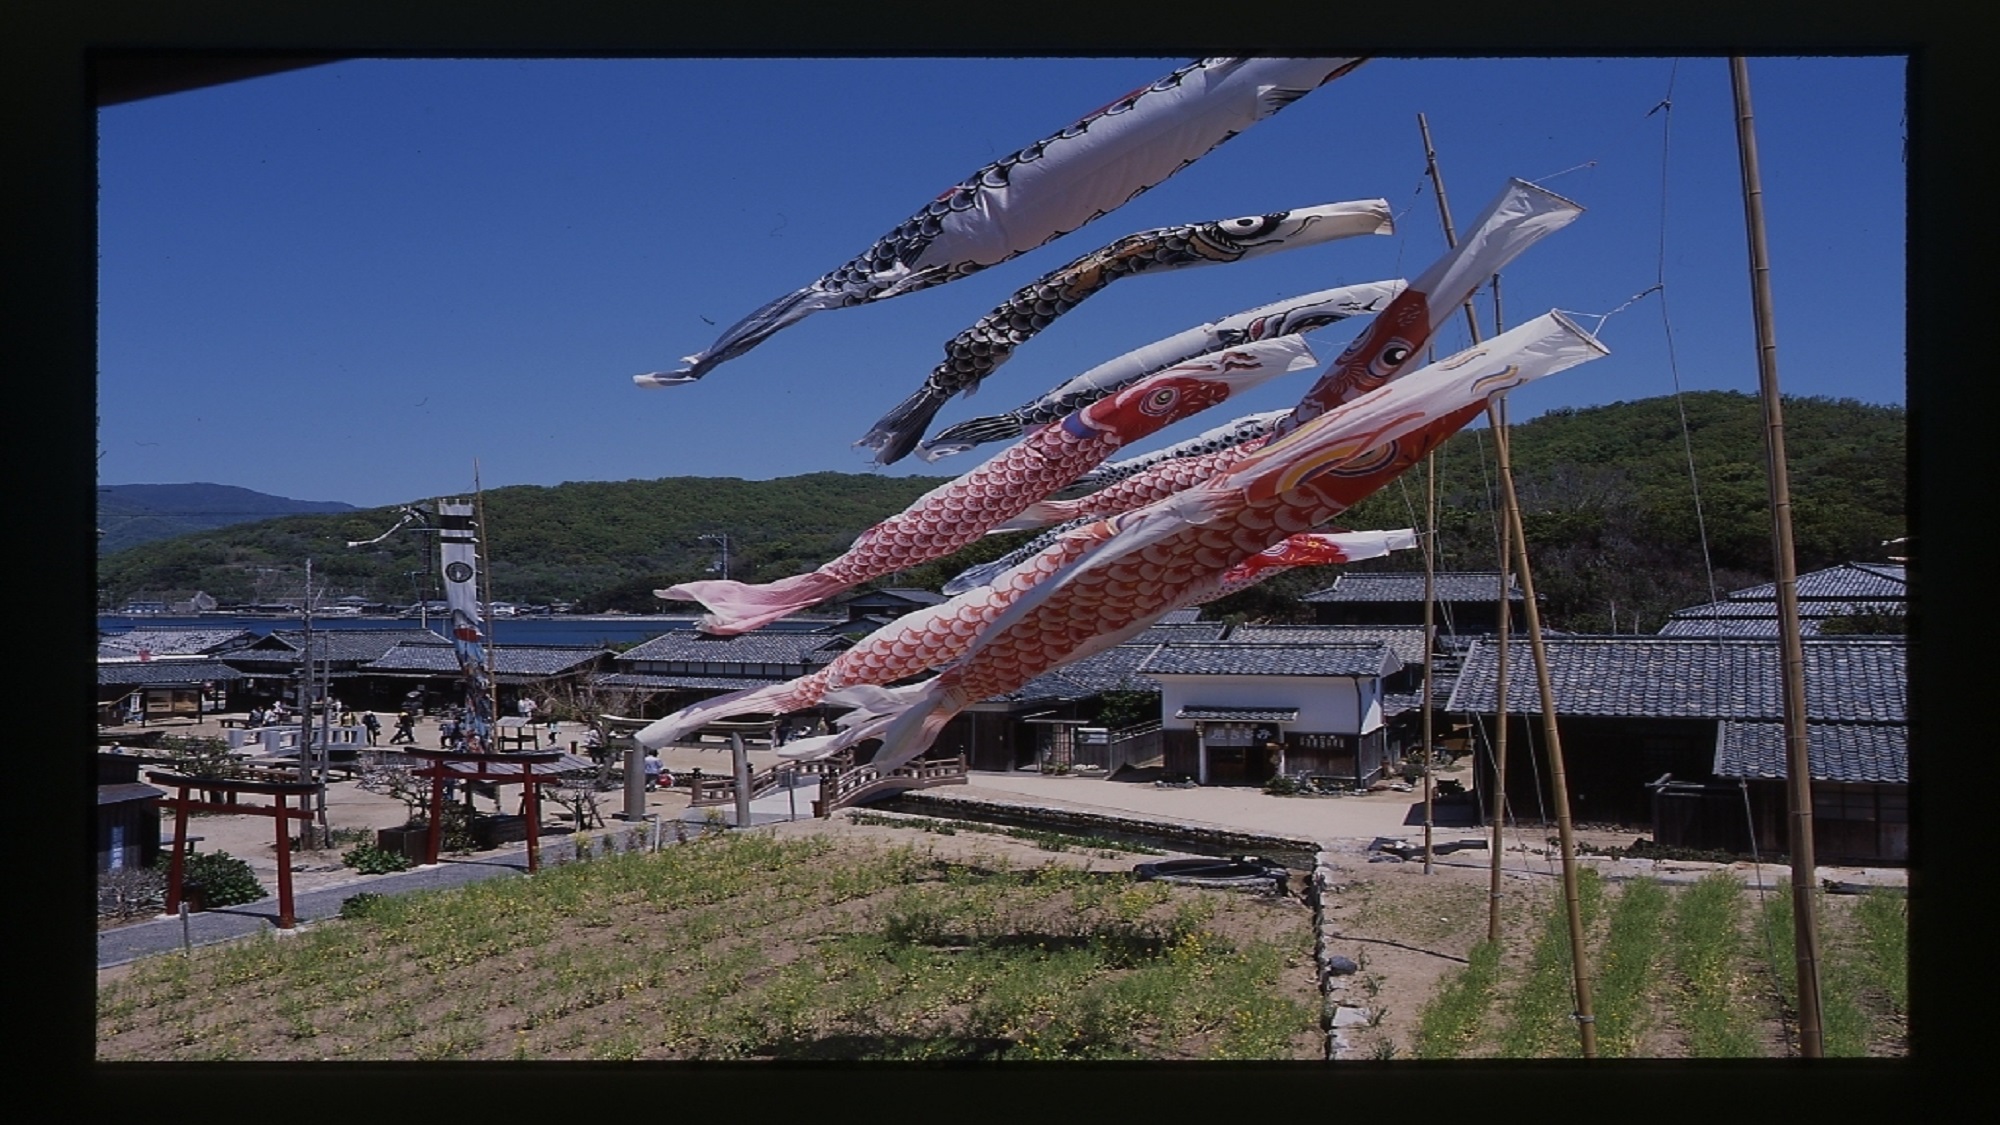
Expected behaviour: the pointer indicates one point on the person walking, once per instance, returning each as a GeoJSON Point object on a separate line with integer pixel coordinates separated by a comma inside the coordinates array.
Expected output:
{"type": "Point", "coordinates": [652, 767]}
{"type": "Point", "coordinates": [406, 729]}
{"type": "Point", "coordinates": [372, 725]}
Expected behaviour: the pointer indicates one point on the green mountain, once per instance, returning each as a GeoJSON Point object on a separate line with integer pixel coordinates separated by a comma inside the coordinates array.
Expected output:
{"type": "Point", "coordinates": [1607, 499]}
{"type": "Point", "coordinates": [1610, 507]}
{"type": "Point", "coordinates": [131, 514]}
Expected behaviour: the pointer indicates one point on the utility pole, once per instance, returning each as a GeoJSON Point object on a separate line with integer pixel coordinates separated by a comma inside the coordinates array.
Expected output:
{"type": "Point", "coordinates": [722, 538]}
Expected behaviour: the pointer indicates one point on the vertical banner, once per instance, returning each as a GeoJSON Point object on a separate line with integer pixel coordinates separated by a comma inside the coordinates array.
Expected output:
{"type": "Point", "coordinates": [458, 544]}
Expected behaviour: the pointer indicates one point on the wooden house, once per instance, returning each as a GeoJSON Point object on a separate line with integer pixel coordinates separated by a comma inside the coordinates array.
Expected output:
{"type": "Point", "coordinates": [681, 667]}
{"type": "Point", "coordinates": [1853, 597]}
{"type": "Point", "coordinates": [1649, 724]}
{"type": "Point", "coordinates": [1240, 713]}
{"type": "Point", "coordinates": [1467, 601]}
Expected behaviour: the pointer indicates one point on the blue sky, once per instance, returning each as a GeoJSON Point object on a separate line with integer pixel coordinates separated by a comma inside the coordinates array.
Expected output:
{"type": "Point", "coordinates": [428, 263]}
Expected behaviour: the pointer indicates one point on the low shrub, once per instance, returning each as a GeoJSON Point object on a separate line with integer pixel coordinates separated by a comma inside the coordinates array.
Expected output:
{"type": "Point", "coordinates": [224, 880]}
{"type": "Point", "coordinates": [371, 860]}
{"type": "Point", "coordinates": [359, 905]}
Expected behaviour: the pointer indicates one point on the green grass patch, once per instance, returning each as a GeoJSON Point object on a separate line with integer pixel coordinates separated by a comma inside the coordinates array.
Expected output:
{"type": "Point", "coordinates": [1540, 1014]}
{"type": "Point", "coordinates": [1451, 1018]}
{"type": "Point", "coordinates": [1707, 956]}
{"type": "Point", "coordinates": [1627, 974]}
{"type": "Point", "coordinates": [748, 946]}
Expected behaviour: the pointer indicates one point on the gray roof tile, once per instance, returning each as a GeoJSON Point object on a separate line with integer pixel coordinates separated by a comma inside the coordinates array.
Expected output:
{"type": "Point", "coordinates": [509, 660]}
{"type": "Point", "coordinates": [1406, 641]}
{"type": "Point", "coordinates": [751, 648]}
{"type": "Point", "coordinates": [170, 642]}
{"type": "Point", "coordinates": [1408, 586]}
{"type": "Point", "coordinates": [1840, 752]}
{"type": "Point", "coordinates": [645, 681]}
{"type": "Point", "coordinates": [1852, 679]}
{"type": "Point", "coordinates": [164, 672]}
{"type": "Point", "coordinates": [1231, 659]}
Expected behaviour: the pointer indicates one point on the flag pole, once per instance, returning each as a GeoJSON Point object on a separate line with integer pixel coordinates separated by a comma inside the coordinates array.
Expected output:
{"type": "Point", "coordinates": [1586, 1020]}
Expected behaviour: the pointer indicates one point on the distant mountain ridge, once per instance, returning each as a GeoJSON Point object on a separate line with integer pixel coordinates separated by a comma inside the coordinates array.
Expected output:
{"type": "Point", "coordinates": [130, 514]}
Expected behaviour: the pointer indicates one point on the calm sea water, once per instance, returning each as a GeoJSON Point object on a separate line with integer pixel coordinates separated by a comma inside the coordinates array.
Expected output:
{"type": "Point", "coordinates": [567, 630]}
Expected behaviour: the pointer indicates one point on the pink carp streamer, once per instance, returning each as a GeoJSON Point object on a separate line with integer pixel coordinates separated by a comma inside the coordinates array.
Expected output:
{"type": "Point", "coordinates": [1157, 483]}
{"type": "Point", "coordinates": [939, 634]}
{"type": "Point", "coordinates": [1167, 553]}
{"type": "Point", "coordinates": [1041, 192]}
{"type": "Point", "coordinates": [952, 515]}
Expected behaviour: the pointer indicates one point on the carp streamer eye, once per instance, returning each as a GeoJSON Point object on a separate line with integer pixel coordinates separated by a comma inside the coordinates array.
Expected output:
{"type": "Point", "coordinates": [1160, 401]}
{"type": "Point", "coordinates": [1248, 226]}
{"type": "Point", "coordinates": [1392, 356]}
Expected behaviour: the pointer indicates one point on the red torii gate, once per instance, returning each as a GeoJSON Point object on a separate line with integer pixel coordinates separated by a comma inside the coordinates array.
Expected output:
{"type": "Point", "coordinates": [229, 788]}
{"type": "Point", "coordinates": [515, 768]}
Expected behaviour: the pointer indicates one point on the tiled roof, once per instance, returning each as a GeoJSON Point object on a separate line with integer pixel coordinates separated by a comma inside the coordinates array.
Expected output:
{"type": "Point", "coordinates": [337, 645]}
{"type": "Point", "coordinates": [1854, 679]}
{"type": "Point", "coordinates": [163, 672]}
{"type": "Point", "coordinates": [1163, 633]}
{"type": "Point", "coordinates": [1845, 582]}
{"type": "Point", "coordinates": [168, 642]}
{"type": "Point", "coordinates": [1116, 669]}
{"type": "Point", "coordinates": [904, 593]}
{"type": "Point", "coordinates": [750, 648]}
{"type": "Point", "coordinates": [1187, 615]}
{"type": "Point", "coordinates": [508, 660]}
{"type": "Point", "coordinates": [1406, 641]}
{"type": "Point", "coordinates": [1842, 752]}
{"type": "Point", "coordinates": [660, 683]}
{"type": "Point", "coordinates": [1240, 714]}
{"type": "Point", "coordinates": [1231, 659]}
{"type": "Point", "coordinates": [1408, 586]}
{"type": "Point", "coordinates": [119, 792]}
{"type": "Point", "coordinates": [1689, 623]}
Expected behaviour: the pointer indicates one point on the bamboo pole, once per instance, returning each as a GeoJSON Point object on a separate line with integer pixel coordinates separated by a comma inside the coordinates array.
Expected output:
{"type": "Point", "coordinates": [1586, 1020]}
{"type": "Point", "coordinates": [483, 552]}
{"type": "Point", "coordinates": [1430, 643]}
{"type": "Point", "coordinates": [1797, 765]}
{"type": "Point", "coordinates": [1504, 623]}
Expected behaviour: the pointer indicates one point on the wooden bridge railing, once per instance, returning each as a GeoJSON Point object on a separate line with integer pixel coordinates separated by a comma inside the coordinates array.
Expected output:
{"type": "Point", "coordinates": [862, 782]}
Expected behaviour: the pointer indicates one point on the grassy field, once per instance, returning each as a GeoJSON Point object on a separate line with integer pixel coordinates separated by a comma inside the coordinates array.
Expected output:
{"type": "Point", "coordinates": [750, 946]}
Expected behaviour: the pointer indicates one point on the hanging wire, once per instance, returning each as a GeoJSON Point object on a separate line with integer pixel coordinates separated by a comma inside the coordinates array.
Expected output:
{"type": "Point", "coordinates": [1602, 317]}
{"type": "Point", "coordinates": [1539, 181]}
{"type": "Point", "coordinates": [1667, 327]}
{"type": "Point", "coordinates": [1770, 951]}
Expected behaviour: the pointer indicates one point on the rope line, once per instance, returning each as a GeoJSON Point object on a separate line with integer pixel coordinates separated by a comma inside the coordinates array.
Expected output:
{"type": "Point", "coordinates": [1667, 328]}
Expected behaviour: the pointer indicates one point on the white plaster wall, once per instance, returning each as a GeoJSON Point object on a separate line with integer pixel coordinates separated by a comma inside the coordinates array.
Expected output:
{"type": "Point", "coordinates": [1326, 704]}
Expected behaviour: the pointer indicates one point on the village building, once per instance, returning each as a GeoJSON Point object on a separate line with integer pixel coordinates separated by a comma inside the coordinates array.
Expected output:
{"type": "Point", "coordinates": [1853, 597]}
{"type": "Point", "coordinates": [1242, 713]}
{"type": "Point", "coordinates": [431, 668]}
{"type": "Point", "coordinates": [1678, 734]}
{"type": "Point", "coordinates": [1468, 601]}
{"type": "Point", "coordinates": [682, 667]}
{"type": "Point", "coordinates": [273, 663]}
{"type": "Point", "coordinates": [149, 674]}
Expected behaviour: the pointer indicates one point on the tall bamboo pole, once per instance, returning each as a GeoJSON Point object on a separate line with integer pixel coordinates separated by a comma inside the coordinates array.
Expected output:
{"type": "Point", "coordinates": [1586, 1019]}
{"type": "Point", "coordinates": [1797, 767]}
{"type": "Point", "coordinates": [1430, 643]}
{"type": "Point", "coordinates": [1504, 623]}
{"type": "Point", "coordinates": [483, 551]}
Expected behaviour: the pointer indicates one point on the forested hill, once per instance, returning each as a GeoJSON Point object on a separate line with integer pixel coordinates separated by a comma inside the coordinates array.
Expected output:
{"type": "Point", "coordinates": [131, 514]}
{"type": "Point", "coordinates": [1606, 492]}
